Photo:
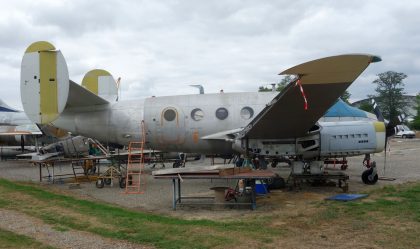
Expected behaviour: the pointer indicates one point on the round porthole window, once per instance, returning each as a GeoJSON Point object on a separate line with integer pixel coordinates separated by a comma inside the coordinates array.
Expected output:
{"type": "Point", "coordinates": [222, 113]}
{"type": "Point", "coordinates": [247, 112]}
{"type": "Point", "coordinates": [169, 115]}
{"type": "Point", "coordinates": [197, 114]}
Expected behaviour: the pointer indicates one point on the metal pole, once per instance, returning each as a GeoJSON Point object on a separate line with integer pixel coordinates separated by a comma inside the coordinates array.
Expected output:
{"type": "Point", "coordinates": [53, 173]}
{"type": "Point", "coordinates": [174, 194]}
{"type": "Point", "coordinates": [179, 190]}
{"type": "Point", "coordinates": [253, 195]}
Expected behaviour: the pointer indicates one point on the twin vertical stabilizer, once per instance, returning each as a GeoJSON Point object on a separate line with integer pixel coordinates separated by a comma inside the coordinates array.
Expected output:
{"type": "Point", "coordinates": [44, 82]}
{"type": "Point", "coordinates": [46, 89]}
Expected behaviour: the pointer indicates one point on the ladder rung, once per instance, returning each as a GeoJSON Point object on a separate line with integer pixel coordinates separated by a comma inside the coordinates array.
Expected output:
{"type": "Point", "coordinates": [135, 166]}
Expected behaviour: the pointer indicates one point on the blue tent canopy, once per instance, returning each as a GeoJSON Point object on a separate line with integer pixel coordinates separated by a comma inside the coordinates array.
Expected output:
{"type": "Point", "coordinates": [342, 109]}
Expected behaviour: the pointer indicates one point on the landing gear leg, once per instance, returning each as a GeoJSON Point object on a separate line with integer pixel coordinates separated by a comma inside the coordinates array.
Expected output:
{"type": "Point", "coordinates": [366, 161]}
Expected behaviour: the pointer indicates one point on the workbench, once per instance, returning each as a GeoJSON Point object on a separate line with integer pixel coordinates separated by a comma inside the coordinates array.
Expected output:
{"type": "Point", "coordinates": [340, 177]}
{"type": "Point", "coordinates": [249, 177]}
{"type": "Point", "coordinates": [49, 164]}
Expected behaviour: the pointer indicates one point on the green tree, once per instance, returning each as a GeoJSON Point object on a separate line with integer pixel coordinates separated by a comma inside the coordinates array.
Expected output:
{"type": "Point", "coordinates": [279, 86]}
{"type": "Point", "coordinates": [287, 79]}
{"type": "Point", "coordinates": [366, 106]}
{"type": "Point", "coordinates": [416, 122]}
{"type": "Point", "coordinates": [346, 97]}
{"type": "Point", "coordinates": [389, 97]}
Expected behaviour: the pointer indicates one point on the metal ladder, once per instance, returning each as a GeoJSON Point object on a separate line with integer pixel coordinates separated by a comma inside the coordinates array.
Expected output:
{"type": "Point", "coordinates": [135, 181]}
{"type": "Point", "coordinates": [100, 146]}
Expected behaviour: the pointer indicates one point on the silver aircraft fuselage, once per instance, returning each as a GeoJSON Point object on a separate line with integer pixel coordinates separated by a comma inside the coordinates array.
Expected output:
{"type": "Point", "coordinates": [188, 119]}
{"type": "Point", "coordinates": [196, 123]}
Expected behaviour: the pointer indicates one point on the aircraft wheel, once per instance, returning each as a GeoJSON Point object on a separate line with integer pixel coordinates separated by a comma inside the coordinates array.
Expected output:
{"type": "Point", "coordinates": [100, 183]}
{"type": "Point", "coordinates": [344, 166]}
{"type": "Point", "coordinates": [91, 171]}
{"type": "Point", "coordinates": [122, 182]}
{"type": "Point", "coordinates": [277, 182]}
{"type": "Point", "coordinates": [369, 178]}
{"type": "Point", "coordinates": [107, 181]}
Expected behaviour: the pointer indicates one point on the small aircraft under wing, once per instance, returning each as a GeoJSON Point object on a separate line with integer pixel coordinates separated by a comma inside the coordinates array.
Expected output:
{"type": "Point", "coordinates": [14, 125]}
{"type": "Point", "coordinates": [264, 124]}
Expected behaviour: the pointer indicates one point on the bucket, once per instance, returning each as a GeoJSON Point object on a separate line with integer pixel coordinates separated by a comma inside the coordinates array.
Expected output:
{"type": "Point", "coordinates": [261, 188]}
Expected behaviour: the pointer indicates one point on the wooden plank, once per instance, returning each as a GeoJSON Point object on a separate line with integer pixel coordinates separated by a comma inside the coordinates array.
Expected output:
{"type": "Point", "coordinates": [234, 171]}
{"type": "Point", "coordinates": [194, 169]}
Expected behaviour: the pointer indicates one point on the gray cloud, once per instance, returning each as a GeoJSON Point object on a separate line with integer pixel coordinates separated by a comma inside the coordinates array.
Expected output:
{"type": "Point", "coordinates": [160, 47]}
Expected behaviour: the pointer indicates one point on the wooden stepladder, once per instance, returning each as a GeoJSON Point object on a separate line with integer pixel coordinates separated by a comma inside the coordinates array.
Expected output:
{"type": "Point", "coordinates": [135, 181]}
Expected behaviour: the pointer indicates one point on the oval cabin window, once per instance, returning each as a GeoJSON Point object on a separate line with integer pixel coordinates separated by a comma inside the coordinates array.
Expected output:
{"type": "Point", "coordinates": [197, 114]}
{"type": "Point", "coordinates": [247, 112]}
{"type": "Point", "coordinates": [169, 115]}
{"type": "Point", "coordinates": [222, 113]}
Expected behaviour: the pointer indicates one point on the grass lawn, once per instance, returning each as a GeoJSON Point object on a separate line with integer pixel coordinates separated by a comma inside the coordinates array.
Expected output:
{"type": "Point", "coordinates": [12, 240]}
{"type": "Point", "coordinates": [389, 212]}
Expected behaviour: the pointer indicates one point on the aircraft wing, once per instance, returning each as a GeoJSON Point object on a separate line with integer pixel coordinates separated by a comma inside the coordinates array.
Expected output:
{"type": "Point", "coordinates": [5, 108]}
{"type": "Point", "coordinates": [322, 81]}
{"type": "Point", "coordinates": [29, 129]}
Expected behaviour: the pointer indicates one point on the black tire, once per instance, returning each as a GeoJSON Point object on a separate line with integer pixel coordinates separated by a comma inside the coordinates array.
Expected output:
{"type": "Point", "coordinates": [176, 165]}
{"type": "Point", "coordinates": [122, 182]}
{"type": "Point", "coordinates": [404, 136]}
{"type": "Point", "coordinates": [92, 170]}
{"type": "Point", "coordinates": [277, 183]}
{"type": "Point", "coordinates": [100, 183]}
{"type": "Point", "coordinates": [107, 181]}
{"type": "Point", "coordinates": [367, 178]}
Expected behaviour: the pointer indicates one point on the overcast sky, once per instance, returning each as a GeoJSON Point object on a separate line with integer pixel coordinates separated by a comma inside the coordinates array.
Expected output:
{"type": "Point", "coordinates": [161, 47]}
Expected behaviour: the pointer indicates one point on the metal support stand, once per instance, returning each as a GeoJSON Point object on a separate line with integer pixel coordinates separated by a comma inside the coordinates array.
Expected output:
{"type": "Point", "coordinates": [177, 195]}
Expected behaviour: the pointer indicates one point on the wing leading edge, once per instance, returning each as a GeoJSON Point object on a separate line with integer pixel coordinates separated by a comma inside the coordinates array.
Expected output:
{"type": "Point", "coordinates": [323, 81]}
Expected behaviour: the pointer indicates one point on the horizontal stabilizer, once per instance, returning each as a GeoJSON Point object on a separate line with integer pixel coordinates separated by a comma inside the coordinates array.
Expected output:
{"type": "Point", "coordinates": [80, 96]}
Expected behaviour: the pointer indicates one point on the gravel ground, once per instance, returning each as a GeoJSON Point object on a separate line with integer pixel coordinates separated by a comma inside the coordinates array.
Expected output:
{"type": "Point", "coordinates": [402, 164]}
{"type": "Point", "coordinates": [36, 229]}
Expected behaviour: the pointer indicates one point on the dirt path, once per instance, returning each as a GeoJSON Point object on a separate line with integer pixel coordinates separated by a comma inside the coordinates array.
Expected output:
{"type": "Point", "coordinates": [25, 225]}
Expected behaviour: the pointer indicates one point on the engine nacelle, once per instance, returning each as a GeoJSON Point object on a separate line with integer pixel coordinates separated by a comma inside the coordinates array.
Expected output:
{"type": "Point", "coordinates": [332, 139]}
{"type": "Point", "coordinates": [351, 138]}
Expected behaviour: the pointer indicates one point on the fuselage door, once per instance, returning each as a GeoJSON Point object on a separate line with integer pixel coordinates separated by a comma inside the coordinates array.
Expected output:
{"type": "Point", "coordinates": [172, 126]}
